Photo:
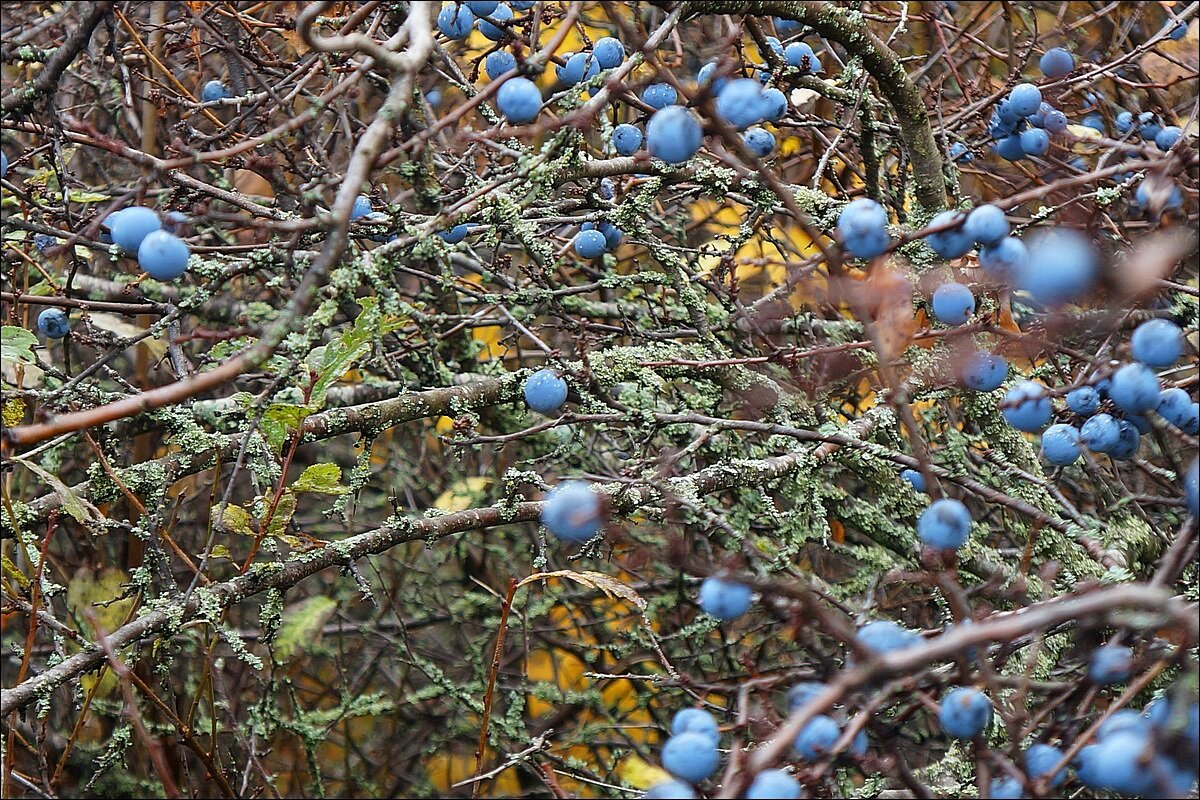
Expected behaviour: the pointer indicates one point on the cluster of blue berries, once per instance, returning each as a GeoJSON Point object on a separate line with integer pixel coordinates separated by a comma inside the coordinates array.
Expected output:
{"type": "Point", "coordinates": [139, 232]}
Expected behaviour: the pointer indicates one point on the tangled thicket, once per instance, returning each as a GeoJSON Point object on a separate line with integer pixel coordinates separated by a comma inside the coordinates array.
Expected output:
{"type": "Point", "coordinates": [272, 528]}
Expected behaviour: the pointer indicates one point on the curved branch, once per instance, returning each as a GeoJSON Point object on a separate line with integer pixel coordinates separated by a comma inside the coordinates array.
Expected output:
{"type": "Point", "coordinates": [846, 27]}
{"type": "Point", "coordinates": [22, 98]}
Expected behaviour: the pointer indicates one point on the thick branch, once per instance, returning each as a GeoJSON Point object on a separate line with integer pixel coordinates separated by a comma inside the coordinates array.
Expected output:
{"type": "Point", "coordinates": [22, 98]}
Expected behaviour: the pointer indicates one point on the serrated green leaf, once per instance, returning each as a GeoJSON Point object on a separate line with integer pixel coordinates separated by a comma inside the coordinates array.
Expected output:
{"type": "Point", "coordinates": [16, 345]}
{"type": "Point", "coordinates": [331, 361]}
{"type": "Point", "coordinates": [320, 479]}
{"type": "Point", "coordinates": [281, 420]}
{"type": "Point", "coordinates": [234, 519]}
{"type": "Point", "coordinates": [302, 624]}
{"type": "Point", "coordinates": [284, 510]}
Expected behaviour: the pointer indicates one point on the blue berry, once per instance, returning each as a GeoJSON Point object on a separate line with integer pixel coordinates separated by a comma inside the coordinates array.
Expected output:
{"type": "Point", "coordinates": [498, 63]}
{"type": "Point", "coordinates": [785, 26]}
{"type": "Point", "coordinates": [1027, 406]}
{"type": "Point", "coordinates": [3, 165]}
{"type": "Point", "coordinates": [914, 478]}
{"type": "Point", "coordinates": [1157, 343]}
{"type": "Point", "coordinates": [1025, 99]}
{"type": "Point", "coordinates": [613, 236]}
{"type": "Point", "coordinates": [799, 54]}
{"type": "Point", "coordinates": [952, 242]}
{"type": "Point", "coordinates": [519, 100]}
{"type": "Point", "coordinates": [659, 95]}
{"type": "Point", "coordinates": [724, 599]}
{"type": "Point", "coordinates": [54, 323]}
{"type": "Point", "coordinates": [573, 511]}
{"type": "Point", "coordinates": [965, 713]}
{"type": "Point", "coordinates": [1140, 422]}
{"type": "Point", "coordinates": [1118, 764]}
{"type": "Point", "coordinates": [1167, 137]}
{"type": "Point", "coordinates": [1191, 487]}
{"type": "Point", "coordinates": [773, 784]}
{"type": "Point", "coordinates": [131, 225]}
{"type": "Point", "coordinates": [361, 207]}
{"type": "Point", "coordinates": [496, 33]}
{"type": "Point", "coordinates": [1134, 388]}
{"type": "Point", "coordinates": [984, 371]}
{"type": "Point", "coordinates": [545, 391]}
{"type": "Point", "coordinates": [862, 228]}
{"type": "Point", "coordinates": [1055, 122]}
{"type": "Point", "coordinates": [959, 153]}
{"type": "Point", "coordinates": [1148, 127]}
{"type": "Point", "coordinates": [696, 720]}
{"type": "Point", "coordinates": [817, 738]}
{"type": "Point", "coordinates": [884, 636]}
{"type": "Point", "coordinates": [1110, 664]}
{"type": "Point", "coordinates": [670, 790]}
{"type": "Point", "coordinates": [1124, 122]}
{"type": "Point", "coordinates": [481, 8]}
{"type": "Point", "coordinates": [1005, 259]}
{"type": "Point", "coordinates": [44, 241]}
{"type": "Point", "coordinates": [690, 756]}
{"type": "Point", "coordinates": [579, 67]}
{"type": "Point", "coordinates": [590, 244]}
{"type": "Point", "coordinates": [1060, 444]}
{"type": "Point", "coordinates": [1093, 121]}
{"type": "Point", "coordinates": [1084, 401]}
{"type": "Point", "coordinates": [1125, 719]}
{"type": "Point", "coordinates": [434, 97]}
{"type": "Point", "coordinates": [455, 21]}
{"type": "Point", "coordinates": [705, 76]}
{"type": "Point", "coordinates": [1128, 441]}
{"type": "Point", "coordinates": [456, 234]}
{"type": "Point", "coordinates": [1006, 789]}
{"type": "Point", "coordinates": [163, 256]}
{"type": "Point", "coordinates": [774, 104]}
{"type": "Point", "coordinates": [986, 224]}
{"type": "Point", "coordinates": [1178, 32]}
{"type": "Point", "coordinates": [673, 134]}
{"type": "Point", "coordinates": [953, 303]}
{"type": "Point", "coordinates": [759, 141]}
{"type": "Point", "coordinates": [1062, 266]}
{"type": "Point", "coordinates": [213, 90]}
{"type": "Point", "coordinates": [1177, 408]}
{"type": "Point", "coordinates": [800, 694]}
{"type": "Point", "coordinates": [1035, 142]}
{"type": "Point", "coordinates": [1038, 118]}
{"type": "Point", "coordinates": [1100, 433]}
{"type": "Point", "coordinates": [626, 139]}
{"type": "Point", "coordinates": [945, 525]}
{"type": "Point", "coordinates": [609, 52]}
{"type": "Point", "coordinates": [1009, 148]}
{"type": "Point", "coordinates": [1040, 759]}
{"type": "Point", "coordinates": [740, 103]}
{"type": "Point", "coordinates": [607, 189]}
{"type": "Point", "coordinates": [1056, 63]}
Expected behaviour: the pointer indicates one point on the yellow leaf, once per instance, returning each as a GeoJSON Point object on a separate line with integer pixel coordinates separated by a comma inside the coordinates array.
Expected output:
{"type": "Point", "coordinates": [641, 774]}
{"type": "Point", "coordinates": [463, 494]}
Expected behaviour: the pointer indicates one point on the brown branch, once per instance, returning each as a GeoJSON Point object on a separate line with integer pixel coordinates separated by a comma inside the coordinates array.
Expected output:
{"type": "Point", "coordinates": [22, 98]}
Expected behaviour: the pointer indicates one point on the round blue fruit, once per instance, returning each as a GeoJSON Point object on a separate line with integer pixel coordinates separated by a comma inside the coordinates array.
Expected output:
{"type": "Point", "coordinates": [690, 756]}
{"type": "Point", "coordinates": [626, 139]}
{"type": "Point", "coordinates": [1006, 789]}
{"type": "Point", "coordinates": [590, 244]}
{"type": "Point", "coordinates": [3, 165]}
{"type": "Point", "coordinates": [1100, 433]}
{"type": "Point", "coordinates": [965, 713]}
{"type": "Point", "coordinates": [498, 63]}
{"type": "Point", "coordinates": [952, 242]}
{"type": "Point", "coordinates": [1062, 267]}
{"type": "Point", "coordinates": [519, 100]}
{"type": "Point", "coordinates": [572, 511]}
{"type": "Point", "coordinates": [773, 784]}
{"type": "Point", "coordinates": [1118, 764]}
{"type": "Point", "coordinates": [130, 226]}
{"type": "Point", "coordinates": [705, 77]}
{"type": "Point", "coordinates": [1027, 406]}
{"type": "Point", "coordinates": [1056, 63]}
{"type": "Point", "coordinates": [740, 103]}
{"type": "Point", "coordinates": [1128, 441]}
{"type": "Point", "coordinates": [862, 228]}
{"type": "Point", "coordinates": [670, 790]}
{"type": "Point", "coordinates": [759, 141]}
{"type": "Point", "coordinates": [1025, 99]}
{"type": "Point", "coordinates": [455, 21]}
{"type": "Point", "coordinates": [984, 371]}
{"type": "Point", "coordinates": [1055, 122]}
{"type": "Point", "coordinates": [817, 738]}
{"type": "Point", "coordinates": [545, 391]}
{"type": "Point", "coordinates": [1035, 142]}
{"type": "Point", "coordinates": [1010, 149]}
{"type": "Point", "coordinates": [774, 104]}
{"type": "Point", "coordinates": [609, 52]}
{"type": "Point", "coordinates": [1124, 122]}
{"type": "Point", "coordinates": [959, 153]}
{"type": "Point", "coordinates": [659, 95]}
{"type": "Point", "coordinates": [945, 525]}
{"type": "Point", "coordinates": [1168, 136]}
{"type": "Point", "coordinates": [724, 599]}
{"type": "Point", "coordinates": [1191, 487]}
{"type": "Point", "coordinates": [696, 720]}
{"type": "Point", "coordinates": [361, 207]}
{"type": "Point", "coordinates": [986, 224]}
{"type": "Point", "coordinates": [884, 636]}
{"type": "Point", "coordinates": [213, 90]}
{"type": "Point", "coordinates": [1134, 388]}
{"type": "Point", "coordinates": [953, 303]}
{"type": "Point", "coordinates": [579, 67]}
{"type": "Point", "coordinates": [1148, 127]}
{"type": "Point", "coordinates": [1093, 121]}
{"type": "Point", "coordinates": [1084, 400]}
{"type": "Point", "coordinates": [1040, 759]}
{"type": "Point", "coordinates": [433, 97]}
{"type": "Point", "coordinates": [54, 323]}
{"type": "Point", "coordinates": [1110, 664]}
{"type": "Point", "coordinates": [496, 33]}
{"type": "Point", "coordinates": [163, 256]}
{"type": "Point", "coordinates": [1177, 408]}
{"type": "Point", "coordinates": [1060, 444]}
{"type": "Point", "coordinates": [1125, 719]}
{"type": "Point", "coordinates": [456, 234]}
{"type": "Point", "coordinates": [800, 694]}
{"type": "Point", "coordinates": [481, 8]}
{"type": "Point", "coordinates": [1005, 259]}
{"type": "Point", "coordinates": [915, 479]}
{"type": "Point", "coordinates": [673, 135]}
{"type": "Point", "coordinates": [1157, 343]}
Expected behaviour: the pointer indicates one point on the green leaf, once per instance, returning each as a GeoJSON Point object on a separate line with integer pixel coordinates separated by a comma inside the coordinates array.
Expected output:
{"type": "Point", "coordinates": [302, 624]}
{"type": "Point", "coordinates": [86, 197]}
{"type": "Point", "coordinates": [284, 510]}
{"type": "Point", "coordinates": [320, 479]}
{"type": "Point", "coordinates": [234, 519]}
{"type": "Point", "coordinates": [73, 504]}
{"type": "Point", "coordinates": [280, 420]}
{"type": "Point", "coordinates": [16, 345]}
{"type": "Point", "coordinates": [331, 361]}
